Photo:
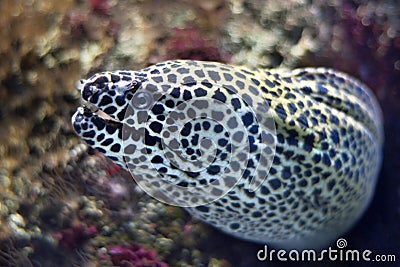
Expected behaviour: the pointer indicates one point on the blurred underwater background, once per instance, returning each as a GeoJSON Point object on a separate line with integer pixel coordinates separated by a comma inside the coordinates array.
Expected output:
{"type": "Point", "coordinates": [64, 204]}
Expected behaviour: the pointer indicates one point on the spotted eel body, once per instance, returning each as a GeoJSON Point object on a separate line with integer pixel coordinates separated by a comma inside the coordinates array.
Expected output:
{"type": "Point", "coordinates": [326, 137]}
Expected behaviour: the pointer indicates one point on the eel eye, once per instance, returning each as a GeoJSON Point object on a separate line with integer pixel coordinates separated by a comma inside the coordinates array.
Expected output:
{"type": "Point", "coordinates": [87, 91]}
{"type": "Point", "coordinates": [142, 100]}
{"type": "Point", "coordinates": [135, 85]}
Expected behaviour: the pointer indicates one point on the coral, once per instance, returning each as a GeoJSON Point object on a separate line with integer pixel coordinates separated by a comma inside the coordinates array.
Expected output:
{"type": "Point", "coordinates": [134, 256]}
{"type": "Point", "coordinates": [375, 46]}
{"type": "Point", "coordinates": [191, 43]}
{"type": "Point", "coordinates": [76, 235]}
{"type": "Point", "coordinates": [101, 7]}
{"type": "Point", "coordinates": [94, 23]}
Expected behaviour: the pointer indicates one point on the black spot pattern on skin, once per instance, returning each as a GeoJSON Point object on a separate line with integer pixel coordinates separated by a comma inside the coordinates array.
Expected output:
{"type": "Point", "coordinates": [257, 214]}
{"type": "Point", "coordinates": [334, 119]}
{"type": "Point", "coordinates": [200, 92]}
{"type": "Point", "coordinates": [90, 142]}
{"type": "Point", "coordinates": [199, 73]}
{"type": "Point", "coordinates": [158, 79]}
{"type": "Point", "coordinates": [316, 158]}
{"type": "Point", "coordinates": [288, 154]}
{"type": "Point", "coordinates": [185, 143]}
{"type": "Point", "coordinates": [124, 73]}
{"type": "Point", "coordinates": [292, 108]}
{"type": "Point", "coordinates": [187, 95]}
{"type": "Point", "coordinates": [286, 173]}
{"type": "Point", "coordinates": [306, 90]}
{"type": "Point", "coordinates": [303, 121]}
{"type": "Point", "coordinates": [203, 209]}
{"type": "Point", "coordinates": [281, 111]}
{"type": "Point", "coordinates": [183, 70]}
{"type": "Point", "coordinates": [150, 140]}
{"type": "Point", "coordinates": [197, 127]}
{"type": "Point", "coordinates": [247, 119]}
{"type": "Point", "coordinates": [170, 103]}
{"type": "Point", "coordinates": [100, 137]}
{"type": "Point", "coordinates": [326, 160]}
{"type": "Point", "coordinates": [157, 159]}
{"type": "Point", "coordinates": [155, 71]}
{"type": "Point", "coordinates": [290, 96]}
{"type": "Point", "coordinates": [331, 184]}
{"type": "Point", "coordinates": [183, 184]}
{"type": "Point", "coordinates": [322, 89]}
{"type": "Point", "coordinates": [206, 125]}
{"type": "Point", "coordinates": [110, 130]}
{"type": "Point", "coordinates": [253, 147]}
{"type": "Point", "coordinates": [171, 78]}
{"type": "Point", "coordinates": [188, 81]}
{"type": "Point", "coordinates": [115, 78]}
{"type": "Point", "coordinates": [158, 109]}
{"type": "Point", "coordinates": [106, 100]}
{"type": "Point", "coordinates": [110, 110]}
{"type": "Point", "coordinates": [163, 170]}
{"type": "Point", "coordinates": [338, 164]}
{"type": "Point", "coordinates": [255, 81]}
{"type": "Point", "coordinates": [190, 151]}
{"type": "Point", "coordinates": [264, 89]}
{"type": "Point", "coordinates": [324, 145]}
{"type": "Point", "coordinates": [302, 183]}
{"type": "Point", "coordinates": [264, 190]}
{"type": "Point", "coordinates": [101, 80]}
{"type": "Point", "coordinates": [151, 87]}
{"type": "Point", "coordinates": [192, 174]}
{"type": "Point", "coordinates": [228, 77]}
{"type": "Point", "coordinates": [115, 148]}
{"type": "Point", "coordinates": [240, 75]}
{"type": "Point", "coordinates": [176, 92]}
{"type": "Point", "coordinates": [248, 193]}
{"type": "Point", "coordinates": [275, 183]}
{"type": "Point", "coordinates": [90, 134]}
{"type": "Point", "coordinates": [234, 226]}
{"type": "Point", "coordinates": [219, 96]}
{"type": "Point", "coordinates": [214, 75]}
{"type": "Point", "coordinates": [120, 100]}
{"type": "Point", "coordinates": [218, 128]}
{"type": "Point", "coordinates": [335, 136]}
{"type": "Point", "coordinates": [186, 129]}
{"type": "Point", "coordinates": [240, 85]}
{"type": "Point", "coordinates": [107, 142]}
{"type": "Point", "coordinates": [100, 125]}
{"type": "Point", "coordinates": [269, 83]}
{"type": "Point", "coordinates": [207, 84]}
{"type": "Point", "coordinates": [308, 142]}
{"type": "Point", "coordinates": [222, 142]}
{"type": "Point", "coordinates": [156, 127]}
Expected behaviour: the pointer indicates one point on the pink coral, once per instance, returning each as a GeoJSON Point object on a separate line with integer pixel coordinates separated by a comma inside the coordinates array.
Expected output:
{"type": "Point", "coordinates": [134, 256]}
{"type": "Point", "coordinates": [75, 235]}
{"type": "Point", "coordinates": [191, 43]}
{"type": "Point", "coordinates": [100, 7]}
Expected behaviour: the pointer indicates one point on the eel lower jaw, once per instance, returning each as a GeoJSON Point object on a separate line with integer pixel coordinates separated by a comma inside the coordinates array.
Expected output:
{"type": "Point", "coordinates": [101, 115]}
{"type": "Point", "coordinates": [107, 119]}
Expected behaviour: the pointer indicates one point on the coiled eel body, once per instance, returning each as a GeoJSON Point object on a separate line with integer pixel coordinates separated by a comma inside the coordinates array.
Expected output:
{"type": "Point", "coordinates": [326, 140]}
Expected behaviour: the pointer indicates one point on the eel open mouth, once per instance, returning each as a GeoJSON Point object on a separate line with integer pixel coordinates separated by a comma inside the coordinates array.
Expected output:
{"type": "Point", "coordinates": [101, 115]}
{"type": "Point", "coordinates": [107, 119]}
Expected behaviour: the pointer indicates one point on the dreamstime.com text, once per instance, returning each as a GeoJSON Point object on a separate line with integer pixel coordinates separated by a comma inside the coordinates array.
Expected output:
{"type": "Point", "coordinates": [330, 254]}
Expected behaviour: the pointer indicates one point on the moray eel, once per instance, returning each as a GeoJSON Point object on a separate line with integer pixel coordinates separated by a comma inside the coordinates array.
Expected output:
{"type": "Point", "coordinates": [201, 133]}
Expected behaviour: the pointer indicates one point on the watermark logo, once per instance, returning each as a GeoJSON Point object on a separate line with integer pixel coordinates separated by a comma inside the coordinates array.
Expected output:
{"type": "Point", "coordinates": [340, 253]}
{"type": "Point", "coordinates": [193, 146]}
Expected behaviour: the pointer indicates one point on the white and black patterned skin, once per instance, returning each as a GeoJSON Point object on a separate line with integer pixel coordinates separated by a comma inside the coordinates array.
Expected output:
{"type": "Point", "coordinates": [328, 151]}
